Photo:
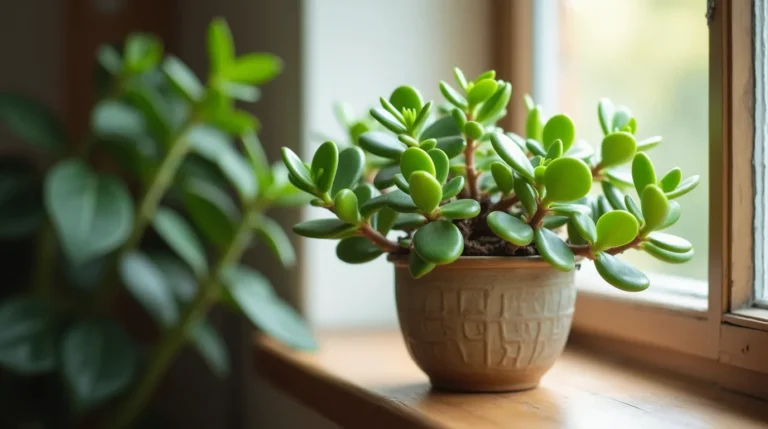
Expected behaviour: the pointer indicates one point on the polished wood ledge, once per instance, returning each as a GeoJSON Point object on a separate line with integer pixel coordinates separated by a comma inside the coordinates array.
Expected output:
{"type": "Point", "coordinates": [367, 380]}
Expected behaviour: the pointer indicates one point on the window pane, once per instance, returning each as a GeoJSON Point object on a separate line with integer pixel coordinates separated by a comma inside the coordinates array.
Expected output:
{"type": "Point", "coordinates": [761, 139]}
{"type": "Point", "coordinates": [649, 55]}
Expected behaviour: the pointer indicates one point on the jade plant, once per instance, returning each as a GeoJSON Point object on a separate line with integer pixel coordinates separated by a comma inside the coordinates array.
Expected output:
{"type": "Point", "coordinates": [161, 134]}
{"type": "Point", "coordinates": [462, 186]}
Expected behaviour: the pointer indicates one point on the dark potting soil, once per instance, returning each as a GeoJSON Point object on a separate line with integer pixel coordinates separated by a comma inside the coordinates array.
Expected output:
{"type": "Point", "coordinates": [479, 240]}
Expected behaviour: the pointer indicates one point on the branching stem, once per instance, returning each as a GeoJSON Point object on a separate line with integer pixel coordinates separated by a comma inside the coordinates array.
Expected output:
{"type": "Point", "coordinates": [586, 251]}
{"type": "Point", "coordinates": [504, 203]}
{"type": "Point", "coordinates": [379, 239]}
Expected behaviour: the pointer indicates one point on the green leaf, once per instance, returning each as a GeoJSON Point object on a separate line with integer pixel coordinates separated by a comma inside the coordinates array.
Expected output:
{"type": "Point", "coordinates": [402, 184]}
{"type": "Point", "coordinates": [666, 255]}
{"type": "Point", "coordinates": [670, 180]}
{"type": "Point", "coordinates": [254, 69]}
{"type": "Point", "coordinates": [670, 242]}
{"type": "Point", "coordinates": [212, 348]}
{"type": "Point", "coordinates": [240, 91]}
{"type": "Point", "coordinates": [147, 284]}
{"type": "Point", "coordinates": [221, 48]}
{"type": "Point", "coordinates": [324, 165]}
{"type": "Point", "coordinates": [510, 228]}
{"type": "Point", "coordinates": [632, 208]}
{"type": "Point", "coordinates": [481, 91]}
{"type": "Point", "coordinates": [655, 206]}
{"type": "Point", "coordinates": [178, 277]}
{"type": "Point", "coordinates": [117, 119]}
{"type": "Point", "coordinates": [443, 127]}
{"type": "Point", "coordinates": [387, 121]}
{"type": "Point", "coordinates": [421, 118]}
{"type": "Point", "coordinates": [324, 228]}
{"type": "Point", "coordinates": [357, 250]}
{"type": "Point", "coordinates": [382, 144]}
{"type": "Point", "coordinates": [615, 229]}
{"type": "Point", "coordinates": [503, 177]}
{"type": "Point", "coordinates": [31, 122]}
{"type": "Point", "coordinates": [453, 96]}
{"type": "Point", "coordinates": [574, 236]}
{"type": "Point", "coordinates": [511, 153]}
{"type": "Point", "coordinates": [439, 242]}
{"type": "Point", "coordinates": [212, 211]}
{"type": "Point", "coordinates": [453, 187]}
{"type": "Point", "coordinates": [460, 209]}
{"type": "Point", "coordinates": [585, 226]}
{"type": "Point", "coordinates": [496, 103]}
{"type": "Point", "coordinates": [375, 204]}
{"type": "Point", "coordinates": [559, 127]}
{"type": "Point", "coordinates": [93, 215]}
{"type": "Point", "coordinates": [408, 221]}
{"type": "Point", "coordinates": [534, 125]}
{"type": "Point", "coordinates": [277, 240]}
{"type": "Point", "coordinates": [605, 111]}
{"type": "Point", "coordinates": [554, 250]}
{"type": "Point", "coordinates": [620, 274]}
{"type": "Point", "coordinates": [300, 174]}
{"type": "Point", "coordinates": [581, 150]}
{"type": "Point", "coordinates": [180, 237]}
{"type": "Point", "coordinates": [385, 218]}
{"type": "Point", "coordinates": [643, 173]}
{"type": "Point", "coordinates": [683, 188]}
{"type": "Point", "coordinates": [215, 146]}
{"type": "Point", "coordinates": [527, 196]}
{"type": "Point", "coordinates": [648, 143]}
{"type": "Point", "coordinates": [350, 170]}
{"type": "Point", "coordinates": [109, 58]}
{"type": "Point", "coordinates": [453, 146]}
{"type": "Point", "coordinates": [28, 336]}
{"type": "Point", "coordinates": [536, 149]}
{"type": "Point", "coordinates": [345, 204]}
{"type": "Point", "coordinates": [406, 97]}
{"type": "Point", "coordinates": [567, 179]}
{"type": "Point", "coordinates": [473, 130]}
{"type": "Point", "coordinates": [614, 195]}
{"type": "Point", "coordinates": [427, 145]}
{"type": "Point", "coordinates": [426, 191]}
{"type": "Point", "coordinates": [569, 209]}
{"type": "Point", "coordinates": [672, 217]}
{"type": "Point", "coordinates": [385, 178]}
{"type": "Point", "coordinates": [617, 148]}
{"type": "Point", "coordinates": [98, 361]}
{"type": "Point", "coordinates": [415, 159]}
{"type": "Point", "coordinates": [253, 293]}
{"type": "Point", "coordinates": [441, 162]}
{"type": "Point", "coordinates": [418, 267]}
{"type": "Point", "coordinates": [554, 222]}
{"type": "Point", "coordinates": [555, 150]}
{"type": "Point", "coordinates": [183, 79]}
{"type": "Point", "coordinates": [620, 178]}
{"type": "Point", "coordinates": [365, 192]}
{"type": "Point", "coordinates": [143, 52]}
{"type": "Point", "coordinates": [460, 79]}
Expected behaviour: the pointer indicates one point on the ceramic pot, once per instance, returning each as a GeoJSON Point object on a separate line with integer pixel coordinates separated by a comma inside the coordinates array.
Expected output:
{"type": "Point", "coordinates": [485, 324]}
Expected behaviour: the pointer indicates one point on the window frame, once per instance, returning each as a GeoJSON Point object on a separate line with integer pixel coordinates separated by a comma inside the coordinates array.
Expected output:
{"type": "Point", "coordinates": [731, 324]}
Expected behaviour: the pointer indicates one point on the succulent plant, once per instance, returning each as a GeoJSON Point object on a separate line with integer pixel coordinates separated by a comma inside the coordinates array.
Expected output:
{"type": "Point", "coordinates": [462, 186]}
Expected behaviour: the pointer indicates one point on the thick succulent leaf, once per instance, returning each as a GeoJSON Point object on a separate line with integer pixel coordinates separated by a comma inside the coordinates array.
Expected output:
{"type": "Point", "coordinates": [511, 153]}
{"type": "Point", "coordinates": [385, 178]}
{"type": "Point", "coordinates": [634, 209]}
{"type": "Point", "coordinates": [408, 221]}
{"type": "Point", "coordinates": [570, 209]}
{"type": "Point", "coordinates": [481, 91]}
{"type": "Point", "coordinates": [453, 146]}
{"type": "Point", "coordinates": [402, 184]}
{"type": "Point", "coordinates": [535, 148]}
{"type": "Point", "coordinates": [373, 205]}
{"type": "Point", "coordinates": [406, 97]}
{"type": "Point", "coordinates": [617, 148]}
{"type": "Point", "coordinates": [670, 180]}
{"type": "Point", "coordinates": [615, 229]}
{"type": "Point", "coordinates": [357, 250]}
{"type": "Point", "coordinates": [384, 118]}
{"type": "Point", "coordinates": [28, 337]}
{"type": "Point", "coordinates": [385, 218]}
{"type": "Point", "coordinates": [623, 117]}
{"type": "Point", "coordinates": [510, 228]}
{"type": "Point", "coordinates": [620, 178]}
{"type": "Point", "coordinates": [212, 348]}
{"type": "Point", "coordinates": [298, 170]}
{"type": "Point", "coordinates": [559, 127]}
{"type": "Point", "coordinates": [602, 206]}
{"type": "Point", "coordinates": [614, 195]}
{"type": "Point", "coordinates": [443, 127]}
{"type": "Point", "coordinates": [503, 177]}
{"type": "Point", "coordinates": [180, 237]}
{"type": "Point", "coordinates": [574, 237]}
{"type": "Point", "coordinates": [418, 267]}
{"type": "Point", "coordinates": [426, 191]}
{"type": "Point", "coordinates": [453, 187]}
{"type": "Point", "coordinates": [183, 80]}
{"type": "Point", "coordinates": [605, 111]}
{"type": "Point", "coordinates": [527, 196]}
{"type": "Point", "coordinates": [655, 206]}
{"type": "Point", "coordinates": [382, 144]}
{"type": "Point", "coordinates": [620, 274]}
{"type": "Point", "coordinates": [496, 103]}
{"type": "Point", "coordinates": [672, 217]}
{"type": "Point", "coordinates": [643, 173]}
{"type": "Point", "coordinates": [324, 228]}
{"type": "Point", "coordinates": [460, 209]}
{"type": "Point", "coordinates": [473, 130]}
{"type": "Point", "coordinates": [277, 240]}
{"type": "Point", "coordinates": [345, 205]}
{"type": "Point", "coordinates": [567, 179]}
{"type": "Point", "coordinates": [421, 118]}
{"type": "Point", "coordinates": [534, 125]}
{"type": "Point", "coordinates": [666, 255]}
{"type": "Point", "coordinates": [400, 202]}
{"type": "Point", "coordinates": [365, 192]}
{"type": "Point", "coordinates": [554, 222]}
{"type": "Point", "coordinates": [148, 285]}
{"type": "Point", "coordinates": [683, 188]}
{"type": "Point", "coordinates": [439, 242]}
{"type": "Point", "coordinates": [416, 159]}
{"type": "Point", "coordinates": [441, 163]}
{"type": "Point", "coordinates": [453, 96]}
{"type": "Point", "coordinates": [216, 147]}
{"type": "Point", "coordinates": [555, 150]}
{"type": "Point", "coordinates": [670, 242]}
{"type": "Point", "coordinates": [324, 165]}
{"type": "Point", "coordinates": [351, 165]}
{"type": "Point", "coordinates": [212, 211]}
{"type": "Point", "coordinates": [585, 226]}
{"type": "Point", "coordinates": [554, 250]}
{"type": "Point", "coordinates": [648, 143]}
{"type": "Point", "coordinates": [581, 149]}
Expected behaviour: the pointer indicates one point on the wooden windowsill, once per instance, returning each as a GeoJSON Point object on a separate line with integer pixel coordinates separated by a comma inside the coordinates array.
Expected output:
{"type": "Point", "coordinates": [368, 380]}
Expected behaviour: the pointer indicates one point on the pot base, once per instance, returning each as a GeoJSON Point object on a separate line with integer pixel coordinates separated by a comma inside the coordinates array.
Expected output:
{"type": "Point", "coordinates": [463, 387]}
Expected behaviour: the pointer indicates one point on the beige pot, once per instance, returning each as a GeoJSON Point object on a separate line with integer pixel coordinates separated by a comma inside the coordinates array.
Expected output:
{"type": "Point", "coordinates": [485, 324]}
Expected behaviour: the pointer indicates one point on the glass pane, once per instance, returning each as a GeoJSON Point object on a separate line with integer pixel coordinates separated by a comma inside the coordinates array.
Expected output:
{"type": "Point", "coordinates": [761, 158]}
{"type": "Point", "coordinates": [649, 55]}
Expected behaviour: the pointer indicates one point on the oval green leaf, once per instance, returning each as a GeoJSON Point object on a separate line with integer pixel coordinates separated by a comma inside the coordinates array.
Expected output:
{"type": "Point", "coordinates": [298, 170]}
{"type": "Point", "coordinates": [670, 180]}
{"type": "Point", "coordinates": [357, 250]}
{"type": "Point", "coordinates": [405, 221]}
{"type": "Point", "coordinates": [666, 255]}
{"type": "Point", "coordinates": [585, 226]}
{"type": "Point", "coordinates": [643, 173]}
{"type": "Point", "coordinates": [670, 242]}
{"type": "Point", "coordinates": [554, 250]}
{"type": "Point", "coordinates": [406, 97]}
{"type": "Point", "coordinates": [385, 178]}
{"type": "Point", "coordinates": [534, 125]}
{"type": "Point", "coordinates": [620, 274]}
{"type": "Point", "coordinates": [460, 209]}
{"type": "Point", "coordinates": [605, 115]}
{"type": "Point", "coordinates": [324, 165]}
{"type": "Point", "coordinates": [426, 191]}
{"type": "Point", "coordinates": [402, 184]}
{"type": "Point", "coordinates": [511, 153]}
{"type": "Point", "coordinates": [617, 148]}
{"type": "Point", "coordinates": [453, 96]}
{"type": "Point", "coordinates": [496, 103]}
{"type": "Point", "coordinates": [648, 143]}
{"type": "Point", "coordinates": [439, 242]}
{"type": "Point", "coordinates": [180, 237]}
{"type": "Point", "coordinates": [567, 179]}
{"type": "Point", "coordinates": [324, 228]}
{"type": "Point", "coordinates": [481, 91]}
{"type": "Point", "coordinates": [384, 220]}
{"type": "Point", "coordinates": [655, 207]}
{"type": "Point", "coordinates": [683, 188]}
{"type": "Point", "coordinates": [148, 285]}
{"type": "Point", "coordinates": [418, 267]}
{"type": "Point", "coordinates": [345, 205]}
{"type": "Point", "coordinates": [555, 150]}
{"type": "Point", "coordinates": [277, 240]}
{"type": "Point", "coordinates": [441, 163]}
{"type": "Point", "coordinates": [527, 196]}
{"type": "Point", "coordinates": [31, 122]}
{"type": "Point", "coordinates": [453, 146]}
{"type": "Point", "coordinates": [634, 209]}
{"type": "Point", "coordinates": [510, 228]}
{"type": "Point", "coordinates": [614, 229]}
{"type": "Point", "coordinates": [351, 164]}
{"type": "Point", "coordinates": [382, 144]}
{"type": "Point", "coordinates": [559, 127]}
{"type": "Point", "coordinates": [503, 177]}
{"type": "Point", "coordinates": [672, 217]}
{"type": "Point", "coordinates": [453, 187]}
{"type": "Point", "coordinates": [416, 159]}
{"type": "Point", "coordinates": [400, 202]}
{"type": "Point", "coordinates": [614, 195]}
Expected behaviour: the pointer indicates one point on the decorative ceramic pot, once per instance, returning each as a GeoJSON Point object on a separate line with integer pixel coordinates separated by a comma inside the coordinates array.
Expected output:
{"type": "Point", "coordinates": [485, 324]}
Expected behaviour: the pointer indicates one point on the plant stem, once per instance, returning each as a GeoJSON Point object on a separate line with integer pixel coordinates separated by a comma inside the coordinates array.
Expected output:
{"type": "Point", "coordinates": [45, 259]}
{"type": "Point", "coordinates": [586, 251]}
{"type": "Point", "coordinates": [174, 339]}
{"type": "Point", "coordinates": [379, 239]}
{"type": "Point", "coordinates": [504, 203]}
{"type": "Point", "coordinates": [469, 160]}
{"type": "Point", "coordinates": [537, 217]}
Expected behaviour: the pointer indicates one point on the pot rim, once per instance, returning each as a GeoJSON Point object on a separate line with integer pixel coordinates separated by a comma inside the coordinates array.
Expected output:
{"type": "Point", "coordinates": [482, 262]}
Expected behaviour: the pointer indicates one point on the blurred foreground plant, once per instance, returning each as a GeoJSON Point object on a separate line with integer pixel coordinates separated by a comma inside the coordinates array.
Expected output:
{"type": "Point", "coordinates": [172, 136]}
{"type": "Point", "coordinates": [461, 185]}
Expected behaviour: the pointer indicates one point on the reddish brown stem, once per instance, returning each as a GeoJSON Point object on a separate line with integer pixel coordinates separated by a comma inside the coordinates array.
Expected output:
{"type": "Point", "coordinates": [597, 171]}
{"type": "Point", "coordinates": [586, 251]}
{"type": "Point", "coordinates": [379, 239]}
{"type": "Point", "coordinates": [469, 160]}
{"type": "Point", "coordinates": [538, 217]}
{"type": "Point", "coordinates": [504, 203]}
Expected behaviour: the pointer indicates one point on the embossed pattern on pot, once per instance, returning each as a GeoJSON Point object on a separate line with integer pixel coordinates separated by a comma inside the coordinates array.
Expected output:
{"type": "Point", "coordinates": [475, 328]}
